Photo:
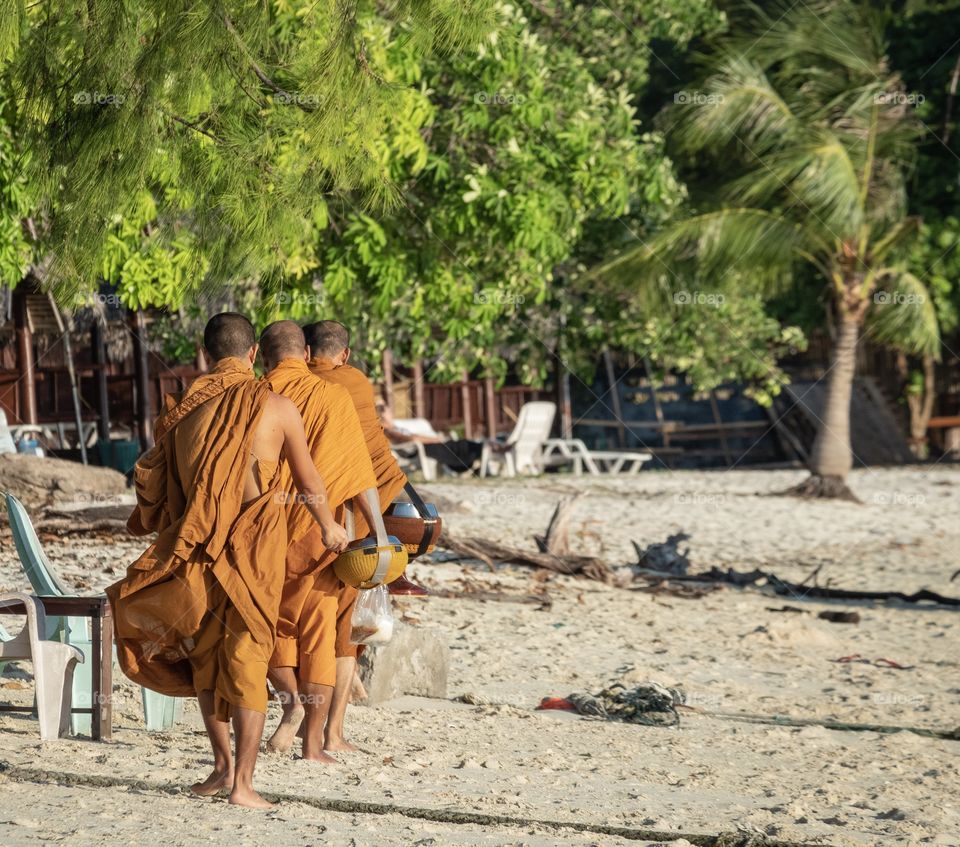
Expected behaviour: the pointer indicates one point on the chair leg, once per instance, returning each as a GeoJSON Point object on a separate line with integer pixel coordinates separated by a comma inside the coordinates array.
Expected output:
{"type": "Point", "coordinates": [78, 635]}
{"type": "Point", "coordinates": [53, 667]}
{"type": "Point", "coordinates": [160, 711]}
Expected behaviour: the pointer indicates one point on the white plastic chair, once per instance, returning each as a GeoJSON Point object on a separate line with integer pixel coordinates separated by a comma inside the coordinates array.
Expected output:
{"type": "Point", "coordinates": [6, 436]}
{"type": "Point", "coordinates": [523, 451]}
{"type": "Point", "coordinates": [160, 711]}
{"type": "Point", "coordinates": [417, 426]}
{"type": "Point", "coordinates": [53, 665]}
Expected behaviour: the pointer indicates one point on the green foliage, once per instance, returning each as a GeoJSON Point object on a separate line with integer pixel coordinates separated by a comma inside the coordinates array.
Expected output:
{"type": "Point", "coordinates": [804, 138]}
{"type": "Point", "coordinates": [529, 166]}
{"type": "Point", "coordinates": [241, 118]}
{"type": "Point", "coordinates": [15, 249]}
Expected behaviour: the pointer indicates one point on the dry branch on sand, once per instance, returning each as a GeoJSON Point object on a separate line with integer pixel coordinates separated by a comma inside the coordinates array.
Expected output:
{"type": "Point", "coordinates": [663, 567]}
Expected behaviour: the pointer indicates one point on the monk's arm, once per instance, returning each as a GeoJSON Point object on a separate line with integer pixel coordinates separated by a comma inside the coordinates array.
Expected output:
{"type": "Point", "coordinates": [307, 478]}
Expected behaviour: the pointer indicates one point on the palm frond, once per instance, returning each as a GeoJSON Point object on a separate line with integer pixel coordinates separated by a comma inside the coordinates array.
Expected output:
{"type": "Point", "coordinates": [736, 106]}
{"type": "Point", "coordinates": [726, 249]}
{"type": "Point", "coordinates": [903, 315]}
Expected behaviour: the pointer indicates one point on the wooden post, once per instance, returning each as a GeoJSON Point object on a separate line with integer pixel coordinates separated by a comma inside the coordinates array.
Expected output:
{"type": "Point", "coordinates": [141, 363]}
{"type": "Point", "coordinates": [563, 383]}
{"type": "Point", "coordinates": [28, 380]}
{"type": "Point", "coordinates": [387, 361]}
{"type": "Point", "coordinates": [566, 408]}
{"type": "Point", "coordinates": [419, 394]}
{"type": "Point", "coordinates": [467, 413]}
{"type": "Point", "coordinates": [103, 398]}
{"type": "Point", "coordinates": [65, 326]}
{"type": "Point", "coordinates": [490, 395]}
{"type": "Point", "coordinates": [615, 398]}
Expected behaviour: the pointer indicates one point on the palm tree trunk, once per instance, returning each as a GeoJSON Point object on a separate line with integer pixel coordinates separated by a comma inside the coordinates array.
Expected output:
{"type": "Point", "coordinates": [832, 457]}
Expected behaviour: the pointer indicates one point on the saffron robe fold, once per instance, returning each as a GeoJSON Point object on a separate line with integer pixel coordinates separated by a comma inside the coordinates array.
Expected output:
{"type": "Point", "coordinates": [390, 479]}
{"type": "Point", "coordinates": [198, 609]}
{"type": "Point", "coordinates": [307, 629]}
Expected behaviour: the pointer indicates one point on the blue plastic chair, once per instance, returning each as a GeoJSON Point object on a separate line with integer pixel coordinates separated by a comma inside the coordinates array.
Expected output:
{"type": "Point", "coordinates": [160, 711]}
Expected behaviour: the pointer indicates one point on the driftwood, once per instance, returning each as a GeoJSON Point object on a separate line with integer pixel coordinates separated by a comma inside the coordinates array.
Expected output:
{"type": "Point", "coordinates": [557, 539]}
{"type": "Point", "coordinates": [799, 590]}
{"type": "Point", "coordinates": [490, 552]}
{"type": "Point", "coordinates": [553, 547]}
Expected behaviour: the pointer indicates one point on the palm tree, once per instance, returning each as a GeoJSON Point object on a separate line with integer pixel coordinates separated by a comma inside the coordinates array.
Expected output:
{"type": "Point", "coordinates": [805, 136]}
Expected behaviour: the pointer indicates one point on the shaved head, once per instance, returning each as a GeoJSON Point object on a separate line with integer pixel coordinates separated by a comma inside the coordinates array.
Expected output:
{"type": "Point", "coordinates": [282, 340]}
{"type": "Point", "coordinates": [327, 338]}
{"type": "Point", "coordinates": [228, 334]}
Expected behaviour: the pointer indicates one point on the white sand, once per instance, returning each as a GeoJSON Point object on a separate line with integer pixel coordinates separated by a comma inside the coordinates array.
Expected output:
{"type": "Point", "coordinates": [728, 650]}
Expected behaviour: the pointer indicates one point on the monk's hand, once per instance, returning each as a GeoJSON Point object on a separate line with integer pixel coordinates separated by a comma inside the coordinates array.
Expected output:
{"type": "Point", "coordinates": [334, 537]}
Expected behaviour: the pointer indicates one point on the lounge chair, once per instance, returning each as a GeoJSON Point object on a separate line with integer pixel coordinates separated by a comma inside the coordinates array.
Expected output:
{"type": "Point", "coordinates": [53, 665]}
{"type": "Point", "coordinates": [573, 450]}
{"type": "Point", "coordinates": [523, 450]}
{"type": "Point", "coordinates": [160, 711]}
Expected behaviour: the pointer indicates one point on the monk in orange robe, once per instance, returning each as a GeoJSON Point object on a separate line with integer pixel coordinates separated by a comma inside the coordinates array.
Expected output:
{"type": "Point", "coordinates": [329, 343]}
{"type": "Point", "coordinates": [196, 614]}
{"type": "Point", "coordinates": [303, 666]}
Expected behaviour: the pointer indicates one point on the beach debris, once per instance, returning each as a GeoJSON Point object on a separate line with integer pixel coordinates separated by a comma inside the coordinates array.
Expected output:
{"type": "Point", "coordinates": [798, 591]}
{"type": "Point", "coordinates": [560, 704]}
{"type": "Point", "coordinates": [839, 617]}
{"type": "Point", "coordinates": [650, 704]}
{"type": "Point", "coordinates": [665, 558]}
{"type": "Point", "coordinates": [557, 538]}
{"type": "Point", "coordinates": [552, 554]}
{"type": "Point", "coordinates": [880, 663]}
{"type": "Point", "coordinates": [491, 552]}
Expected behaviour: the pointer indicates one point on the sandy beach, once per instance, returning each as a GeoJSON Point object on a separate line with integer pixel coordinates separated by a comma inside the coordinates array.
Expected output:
{"type": "Point", "coordinates": [449, 772]}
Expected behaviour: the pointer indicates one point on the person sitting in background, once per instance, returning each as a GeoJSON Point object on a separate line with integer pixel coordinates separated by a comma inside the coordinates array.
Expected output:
{"type": "Point", "coordinates": [458, 455]}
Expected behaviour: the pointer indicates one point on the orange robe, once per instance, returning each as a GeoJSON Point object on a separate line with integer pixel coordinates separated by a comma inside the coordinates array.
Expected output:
{"type": "Point", "coordinates": [307, 629]}
{"type": "Point", "coordinates": [390, 479]}
{"type": "Point", "coordinates": [198, 609]}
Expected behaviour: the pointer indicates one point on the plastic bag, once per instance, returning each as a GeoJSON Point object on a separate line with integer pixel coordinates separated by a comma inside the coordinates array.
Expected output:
{"type": "Point", "coordinates": [372, 621]}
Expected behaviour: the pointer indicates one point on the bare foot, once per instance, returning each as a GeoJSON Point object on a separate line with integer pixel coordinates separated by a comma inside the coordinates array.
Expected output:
{"type": "Point", "coordinates": [215, 783]}
{"type": "Point", "coordinates": [250, 799]}
{"type": "Point", "coordinates": [282, 739]}
{"type": "Point", "coordinates": [338, 745]}
{"type": "Point", "coordinates": [319, 757]}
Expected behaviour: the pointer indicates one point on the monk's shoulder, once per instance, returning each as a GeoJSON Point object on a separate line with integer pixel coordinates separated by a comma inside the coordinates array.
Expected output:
{"type": "Point", "coordinates": [355, 375]}
{"type": "Point", "coordinates": [278, 407]}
